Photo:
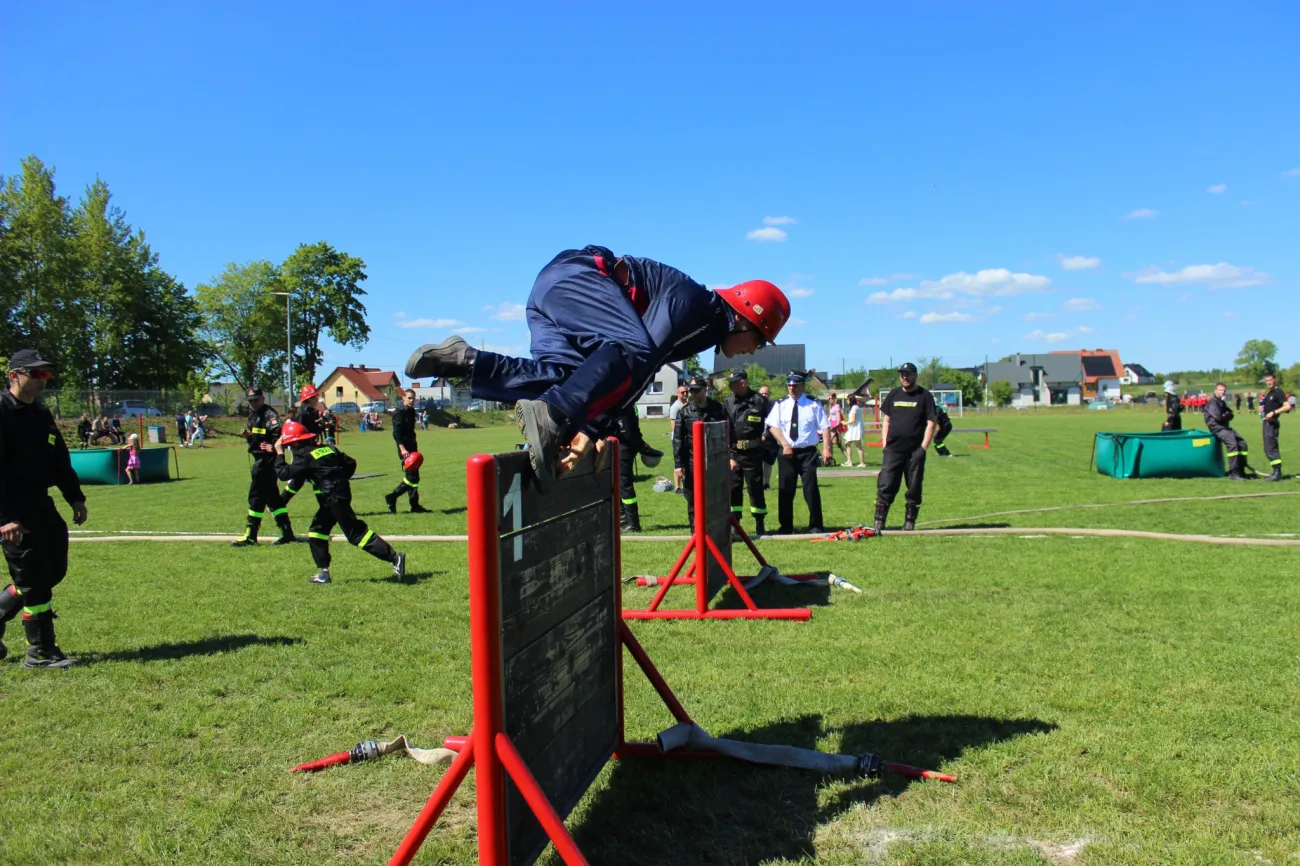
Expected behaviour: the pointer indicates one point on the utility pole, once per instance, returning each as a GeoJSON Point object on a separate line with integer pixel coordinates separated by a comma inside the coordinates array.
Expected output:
{"type": "Point", "coordinates": [288, 353]}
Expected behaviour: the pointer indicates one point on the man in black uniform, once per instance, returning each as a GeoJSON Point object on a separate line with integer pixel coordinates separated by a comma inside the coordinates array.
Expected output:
{"type": "Point", "coordinates": [907, 424]}
{"type": "Point", "coordinates": [1273, 405]}
{"type": "Point", "coordinates": [797, 423]}
{"type": "Point", "coordinates": [263, 428]}
{"type": "Point", "coordinates": [699, 407]}
{"type": "Point", "coordinates": [747, 412]}
{"type": "Point", "coordinates": [33, 457]}
{"type": "Point", "coordinates": [943, 426]}
{"type": "Point", "coordinates": [1173, 409]}
{"type": "Point", "coordinates": [1238, 402]}
{"type": "Point", "coordinates": [330, 471]}
{"type": "Point", "coordinates": [404, 436]}
{"type": "Point", "coordinates": [1218, 418]}
{"type": "Point", "coordinates": [631, 444]}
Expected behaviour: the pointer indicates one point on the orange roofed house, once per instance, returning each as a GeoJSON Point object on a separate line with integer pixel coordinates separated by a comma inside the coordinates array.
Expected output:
{"type": "Point", "coordinates": [360, 385]}
{"type": "Point", "coordinates": [1103, 373]}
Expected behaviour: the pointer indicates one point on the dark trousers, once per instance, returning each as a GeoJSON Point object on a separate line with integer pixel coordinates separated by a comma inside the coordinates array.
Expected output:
{"type": "Point", "coordinates": [906, 460]}
{"type": "Point", "coordinates": [264, 491]}
{"type": "Point", "coordinates": [1271, 450]}
{"type": "Point", "coordinates": [688, 493]}
{"type": "Point", "coordinates": [802, 465]}
{"type": "Point", "coordinates": [630, 443]}
{"type": "Point", "coordinates": [588, 345]}
{"type": "Point", "coordinates": [752, 473]}
{"type": "Point", "coordinates": [39, 562]}
{"type": "Point", "coordinates": [410, 484]}
{"type": "Point", "coordinates": [1173, 422]}
{"type": "Point", "coordinates": [1234, 447]}
{"type": "Point", "coordinates": [337, 509]}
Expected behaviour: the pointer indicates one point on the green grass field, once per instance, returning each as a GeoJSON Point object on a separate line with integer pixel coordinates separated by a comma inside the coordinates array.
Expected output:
{"type": "Point", "coordinates": [1102, 700]}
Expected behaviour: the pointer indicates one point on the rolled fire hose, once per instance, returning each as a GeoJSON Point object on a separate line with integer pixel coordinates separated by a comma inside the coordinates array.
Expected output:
{"type": "Point", "coordinates": [369, 750]}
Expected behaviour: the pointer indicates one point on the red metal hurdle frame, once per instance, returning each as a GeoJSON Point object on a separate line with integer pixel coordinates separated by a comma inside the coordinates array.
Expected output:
{"type": "Point", "coordinates": [703, 547]}
{"type": "Point", "coordinates": [487, 748]}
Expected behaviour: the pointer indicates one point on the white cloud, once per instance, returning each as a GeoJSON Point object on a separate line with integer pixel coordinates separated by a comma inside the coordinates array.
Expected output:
{"type": "Point", "coordinates": [1220, 276]}
{"type": "Point", "coordinates": [473, 329]}
{"type": "Point", "coordinates": [1230, 314]}
{"type": "Point", "coordinates": [991, 311]}
{"type": "Point", "coordinates": [1080, 305]}
{"type": "Point", "coordinates": [991, 282]}
{"type": "Point", "coordinates": [885, 280]}
{"type": "Point", "coordinates": [1291, 172]}
{"type": "Point", "coordinates": [1142, 213]}
{"type": "Point", "coordinates": [436, 324]}
{"type": "Point", "coordinates": [945, 318]}
{"type": "Point", "coordinates": [1034, 317]}
{"type": "Point", "coordinates": [1044, 337]}
{"type": "Point", "coordinates": [800, 292]}
{"type": "Point", "coordinates": [399, 315]}
{"type": "Point", "coordinates": [1083, 330]}
{"type": "Point", "coordinates": [506, 312]}
{"type": "Point", "coordinates": [766, 235]}
{"type": "Point", "coordinates": [779, 221]}
{"type": "Point", "coordinates": [1217, 189]}
{"type": "Point", "coordinates": [910, 314]}
{"type": "Point", "coordinates": [1079, 263]}
{"type": "Point", "coordinates": [796, 321]}
{"type": "Point", "coordinates": [897, 296]}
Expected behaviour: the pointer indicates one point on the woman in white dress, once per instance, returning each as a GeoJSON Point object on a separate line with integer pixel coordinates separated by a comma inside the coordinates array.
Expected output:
{"type": "Point", "coordinates": [853, 435]}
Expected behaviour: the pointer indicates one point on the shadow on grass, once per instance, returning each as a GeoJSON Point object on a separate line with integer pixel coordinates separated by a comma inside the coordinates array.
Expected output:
{"type": "Point", "coordinates": [727, 812]}
{"type": "Point", "coordinates": [461, 510]}
{"type": "Point", "coordinates": [412, 578]}
{"type": "Point", "coordinates": [770, 594]}
{"type": "Point", "coordinates": [205, 647]}
{"type": "Point", "coordinates": [942, 525]}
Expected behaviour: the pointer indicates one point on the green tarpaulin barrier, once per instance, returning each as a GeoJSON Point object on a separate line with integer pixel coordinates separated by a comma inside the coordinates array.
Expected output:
{"type": "Point", "coordinates": [1163, 454]}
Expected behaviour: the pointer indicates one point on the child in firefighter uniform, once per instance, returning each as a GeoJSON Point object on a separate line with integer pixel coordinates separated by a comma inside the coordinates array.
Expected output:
{"type": "Point", "coordinates": [330, 471]}
{"type": "Point", "coordinates": [943, 426]}
{"type": "Point", "coordinates": [309, 417]}
{"type": "Point", "coordinates": [263, 429]}
{"type": "Point", "coordinates": [408, 452]}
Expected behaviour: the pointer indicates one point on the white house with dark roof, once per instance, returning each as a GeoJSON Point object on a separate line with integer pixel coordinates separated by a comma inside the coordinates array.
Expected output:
{"type": "Point", "coordinates": [1136, 374]}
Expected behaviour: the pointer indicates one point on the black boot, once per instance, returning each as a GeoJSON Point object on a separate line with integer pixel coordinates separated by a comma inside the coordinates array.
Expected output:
{"type": "Point", "coordinates": [882, 511]}
{"type": "Point", "coordinates": [416, 507]}
{"type": "Point", "coordinates": [42, 651]}
{"type": "Point", "coordinates": [942, 451]}
{"type": "Point", "coordinates": [1277, 473]}
{"type": "Point", "coordinates": [631, 517]}
{"type": "Point", "coordinates": [453, 358]}
{"type": "Point", "coordinates": [909, 517]}
{"type": "Point", "coordinates": [250, 534]}
{"type": "Point", "coordinates": [286, 530]}
{"type": "Point", "coordinates": [758, 526]}
{"type": "Point", "coordinates": [390, 499]}
{"type": "Point", "coordinates": [10, 603]}
{"type": "Point", "coordinates": [546, 430]}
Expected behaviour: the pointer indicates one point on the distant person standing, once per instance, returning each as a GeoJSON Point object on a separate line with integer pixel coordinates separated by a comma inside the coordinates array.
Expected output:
{"type": "Point", "coordinates": [182, 430]}
{"type": "Point", "coordinates": [1250, 402]}
{"type": "Point", "coordinates": [853, 435]}
{"type": "Point", "coordinates": [770, 449]}
{"type": "Point", "coordinates": [84, 428]}
{"type": "Point", "coordinates": [699, 407]}
{"type": "Point", "coordinates": [747, 412]}
{"type": "Point", "coordinates": [836, 418]}
{"type": "Point", "coordinates": [797, 423]}
{"type": "Point", "coordinates": [675, 409]}
{"type": "Point", "coordinates": [1273, 404]}
{"type": "Point", "coordinates": [404, 436]}
{"type": "Point", "coordinates": [1218, 420]}
{"type": "Point", "coordinates": [631, 445]}
{"type": "Point", "coordinates": [1238, 402]}
{"type": "Point", "coordinates": [34, 458]}
{"type": "Point", "coordinates": [1173, 409]}
{"type": "Point", "coordinates": [908, 421]}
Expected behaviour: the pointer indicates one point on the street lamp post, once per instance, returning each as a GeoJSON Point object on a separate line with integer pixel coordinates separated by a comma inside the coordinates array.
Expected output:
{"type": "Point", "coordinates": [288, 353]}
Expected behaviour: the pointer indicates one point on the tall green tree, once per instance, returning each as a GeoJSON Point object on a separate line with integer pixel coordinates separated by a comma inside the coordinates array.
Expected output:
{"type": "Point", "coordinates": [1255, 357]}
{"type": "Point", "coordinates": [241, 323]}
{"type": "Point", "coordinates": [325, 285]}
{"type": "Point", "coordinates": [1000, 391]}
{"type": "Point", "coordinates": [930, 372]}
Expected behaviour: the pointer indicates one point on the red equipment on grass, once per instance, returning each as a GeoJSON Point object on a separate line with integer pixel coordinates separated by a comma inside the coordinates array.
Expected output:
{"type": "Point", "coordinates": [413, 460]}
{"type": "Point", "coordinates": [711, 541]}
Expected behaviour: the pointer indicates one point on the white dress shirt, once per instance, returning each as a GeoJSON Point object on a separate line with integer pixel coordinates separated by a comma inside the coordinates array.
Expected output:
{"type": "Point", "coordinates": [812, 420]}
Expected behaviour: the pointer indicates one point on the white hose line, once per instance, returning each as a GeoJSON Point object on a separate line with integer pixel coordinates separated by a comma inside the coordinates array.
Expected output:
{"type": "Point", "coordinates": [1111, 505]}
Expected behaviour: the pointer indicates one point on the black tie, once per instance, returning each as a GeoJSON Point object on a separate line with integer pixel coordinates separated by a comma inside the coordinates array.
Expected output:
{"type": "Point", "coordinates": [794, 423]}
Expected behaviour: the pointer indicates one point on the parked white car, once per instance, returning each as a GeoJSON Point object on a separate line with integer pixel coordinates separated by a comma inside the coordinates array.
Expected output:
{"type": "Point", "coordinates": [137, 409]}
{"type": "Point", "coordinates": [378, 407]}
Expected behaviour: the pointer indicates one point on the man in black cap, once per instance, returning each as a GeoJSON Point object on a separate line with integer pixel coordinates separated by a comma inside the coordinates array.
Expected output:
{"type": "Point", "coordinates": [1272, 406]}
{"type": "Point", "coordinates": [747, 412]}
{"type": "Point", "coordinates": [263, 428]}
{"type": "Point", "coordinates": [797, 423]}
{"type": "Point", "coordinates": [631, 444]}
{"type": "Point", "coordinates": [699, 407]}
{"type": "Point", "coordinates": [33, 458]}
{"type": "Point", "coordinates": [908, 421]}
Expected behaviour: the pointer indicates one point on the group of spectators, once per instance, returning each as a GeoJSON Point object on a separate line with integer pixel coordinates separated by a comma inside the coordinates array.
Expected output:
{"type": "Point", "coordinates": [93, 432]}
{"type": "Point", "coordinates": [191, 429]}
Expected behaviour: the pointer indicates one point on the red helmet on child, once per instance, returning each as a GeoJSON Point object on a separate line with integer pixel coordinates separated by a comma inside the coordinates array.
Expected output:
{"type": "Point", "coordinates": [760, 303]}
{"type": "Point", "coordinates": [413, 460]}
{"type": "Point", "coordinates": [309, 392]}
{"type": "Point", "coordinates": [293, 432]}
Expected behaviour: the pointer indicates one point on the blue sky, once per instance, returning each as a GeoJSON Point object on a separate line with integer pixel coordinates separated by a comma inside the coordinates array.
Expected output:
{"type": "Point", "coordinates": [927, 179]}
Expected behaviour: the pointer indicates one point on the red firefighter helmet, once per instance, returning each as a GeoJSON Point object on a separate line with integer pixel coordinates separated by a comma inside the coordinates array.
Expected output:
{"type": "Point", "coordinates": [293, 432]}
{"type": "Point", "coordinates": [309, 392]}
{"type": "Point", "coordinates": [760, 303]}
{"type": "Point", "coordinates": [413, 460]}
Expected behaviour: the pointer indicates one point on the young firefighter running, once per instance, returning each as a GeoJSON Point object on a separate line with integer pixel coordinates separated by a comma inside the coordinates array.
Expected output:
{"type": "Point", "coordinates": [602, 326]}
{"type": "Point", "coordinates": [330, 471]}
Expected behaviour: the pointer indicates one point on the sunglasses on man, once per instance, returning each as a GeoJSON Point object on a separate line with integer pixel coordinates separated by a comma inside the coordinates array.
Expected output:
{"type": "Point", "coordinates": [41, 373]}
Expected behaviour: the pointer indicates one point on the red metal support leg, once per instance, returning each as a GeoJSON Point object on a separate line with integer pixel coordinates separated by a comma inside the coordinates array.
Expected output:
{"type": "Point", "coordinates": [434, 807]}
{"type": "Point", "coordinates": [538, 803]}
{"type": "Point", "coordinates": [652, 673]}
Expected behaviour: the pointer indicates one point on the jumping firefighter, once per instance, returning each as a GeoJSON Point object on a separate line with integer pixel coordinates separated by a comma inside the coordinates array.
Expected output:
{"type": "Point", "coordinates": [907, 427]}
{"type": "Point", "coordinates": [699, 407]}
{"type": "Point", "coordinates": [943, 426]}
{"type": "Point", "coordinates": [404, 436]}
{"type": "Point", "coordinates": [631, 445]}
{"type": "Point", "coordinates": [1173, 409]}
{"type": "Point", "coordinates": [1272, 405]}
{"type": "Point", "coordinates": [1218, 418]}
{"type": "Point", "coordinates": [747, 412]}
{"type": "Point", "coordinates": [602, 326]}
{"type": "Point", "coordinates": [309, 417]}
{"type": "Point", "coordinates": [263, 429]}
{"type": "Point", "coordinates": [33, 458]}
{"type": "Point", "coordinates": [330, 471]}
